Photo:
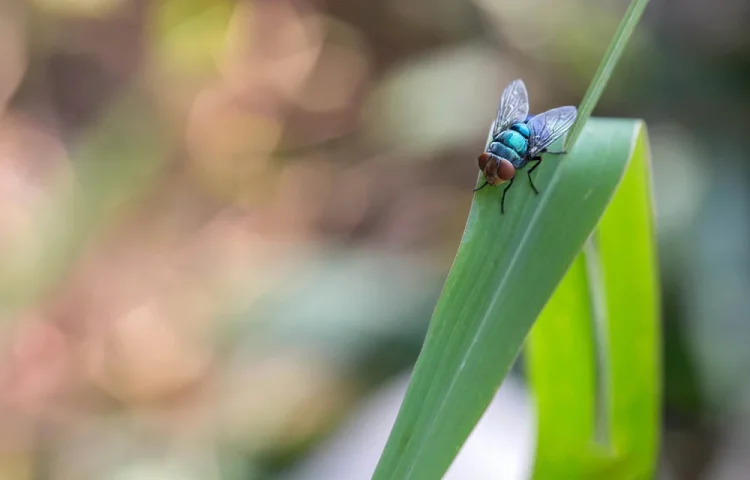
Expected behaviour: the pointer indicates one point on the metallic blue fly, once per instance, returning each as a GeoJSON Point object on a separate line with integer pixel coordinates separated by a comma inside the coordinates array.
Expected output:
{"type": "Point", "coordinates": [518, 138]}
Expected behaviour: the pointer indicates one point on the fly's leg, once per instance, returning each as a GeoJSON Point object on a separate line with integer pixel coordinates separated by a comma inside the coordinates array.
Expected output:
{"type": "Point", "coordinates": [561, 152]}
{"type": "Point", "coordinates": [502, 201]}
{"type": "Point", "coordinates": [485, 184]}
{"type": "Point", "coordinates": [531, 182]}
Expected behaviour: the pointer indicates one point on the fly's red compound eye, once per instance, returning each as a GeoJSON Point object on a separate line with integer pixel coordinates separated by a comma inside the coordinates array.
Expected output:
{"type": "Point", "coordinates": [482, 160]}
{"type": "Point", "coordinates": [505, 169]}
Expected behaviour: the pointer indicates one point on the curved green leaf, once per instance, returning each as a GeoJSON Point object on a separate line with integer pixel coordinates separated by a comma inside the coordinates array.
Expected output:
{"type": "Point", "coordinates": [593, 354]}
{"type": "Point", "coordinates": [506, 269]}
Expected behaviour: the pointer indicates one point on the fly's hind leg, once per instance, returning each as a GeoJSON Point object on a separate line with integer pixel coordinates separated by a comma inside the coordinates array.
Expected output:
{"type": "Point", "coordinates": [561, 152]}
{"type": "Point", "coordinates": [531, 182]}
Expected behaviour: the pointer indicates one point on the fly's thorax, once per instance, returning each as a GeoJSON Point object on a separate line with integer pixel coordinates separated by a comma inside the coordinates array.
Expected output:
{"type": "Point", "coordinates": [522, 128]}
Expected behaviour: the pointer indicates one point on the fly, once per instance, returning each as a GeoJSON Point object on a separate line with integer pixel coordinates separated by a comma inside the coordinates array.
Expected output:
{"type": "Point", "coordinates": [518, 138]}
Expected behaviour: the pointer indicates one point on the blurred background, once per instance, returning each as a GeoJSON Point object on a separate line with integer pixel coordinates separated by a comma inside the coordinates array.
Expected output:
{"type": "Point", "coordinates": [224, 225]}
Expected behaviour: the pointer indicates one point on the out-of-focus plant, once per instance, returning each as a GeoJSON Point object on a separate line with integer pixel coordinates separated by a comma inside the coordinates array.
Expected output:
{"type": "Point", "coordinates": [593, 356]}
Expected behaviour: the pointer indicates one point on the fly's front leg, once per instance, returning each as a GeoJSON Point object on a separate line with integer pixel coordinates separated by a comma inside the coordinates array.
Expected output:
{"type": "Point", "coordinates": [485, 184]}
{"type": "Point", "coordinates": [502, 201]}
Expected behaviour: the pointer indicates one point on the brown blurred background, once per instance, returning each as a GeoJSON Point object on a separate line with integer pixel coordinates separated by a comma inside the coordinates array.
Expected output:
{"type": "Point", "coordinates": [224, 225]}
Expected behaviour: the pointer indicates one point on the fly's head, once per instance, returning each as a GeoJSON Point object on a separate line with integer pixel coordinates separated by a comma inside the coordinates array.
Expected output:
{"type": "Point", "coordinates": [496, 170]}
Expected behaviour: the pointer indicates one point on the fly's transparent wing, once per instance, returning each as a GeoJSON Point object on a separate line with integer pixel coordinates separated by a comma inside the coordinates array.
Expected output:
{"type": "Point", "coordinates": [514, 106]}
{"type": "Point", "coordinates": [549, 126]}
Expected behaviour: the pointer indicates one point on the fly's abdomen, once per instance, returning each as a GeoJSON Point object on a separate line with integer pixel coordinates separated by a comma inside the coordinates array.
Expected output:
{"type": "Point", "coordinates": [515, 141]}
{"type": "Point", "coordinates": [503, 151]}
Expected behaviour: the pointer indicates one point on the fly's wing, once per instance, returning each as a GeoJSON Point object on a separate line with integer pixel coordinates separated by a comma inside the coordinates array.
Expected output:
{"type": "Point", "coordinates": [514, 106]}
{"type": "Point", "coordinates": [549, 126]}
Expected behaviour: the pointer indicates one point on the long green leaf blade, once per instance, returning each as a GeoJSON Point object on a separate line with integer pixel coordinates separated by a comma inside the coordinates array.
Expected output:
{"type": "Point", "coordinates": [606, 67]}
{"type": "Point", "coordinates": [593, 355]}
{"type": "Point", "coordinates": [505, 271]}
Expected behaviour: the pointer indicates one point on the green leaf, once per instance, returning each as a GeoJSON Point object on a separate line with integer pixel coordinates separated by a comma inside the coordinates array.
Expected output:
{"type": "Point", "coordinates": [606, 67]}
{"type": "Point", "coordinates": [593, 355]}
{"type": "Point", "coordinates": [506, 269]}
